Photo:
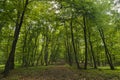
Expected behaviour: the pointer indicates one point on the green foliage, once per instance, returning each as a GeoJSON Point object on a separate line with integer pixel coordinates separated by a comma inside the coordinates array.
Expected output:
{"type": "Point", "coordinates": [45, 36]}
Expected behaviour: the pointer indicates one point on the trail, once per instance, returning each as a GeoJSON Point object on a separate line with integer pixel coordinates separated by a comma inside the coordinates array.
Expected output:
{"type": "Point", "coordinates": [59, 72]}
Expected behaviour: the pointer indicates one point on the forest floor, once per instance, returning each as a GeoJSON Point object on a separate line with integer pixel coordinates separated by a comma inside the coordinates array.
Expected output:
{"type": "Point", "coordinates": [62, 72]}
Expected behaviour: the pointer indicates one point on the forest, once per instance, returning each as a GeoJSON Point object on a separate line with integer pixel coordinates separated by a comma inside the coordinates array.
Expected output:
{"type": "Point", "coordinates": [59, 40]}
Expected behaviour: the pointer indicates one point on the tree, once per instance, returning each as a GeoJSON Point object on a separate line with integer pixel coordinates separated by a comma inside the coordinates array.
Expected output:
{"type": "Point", "coordinates": [106, 49]}
{"type": "Point", "coordinates": [10, 62]}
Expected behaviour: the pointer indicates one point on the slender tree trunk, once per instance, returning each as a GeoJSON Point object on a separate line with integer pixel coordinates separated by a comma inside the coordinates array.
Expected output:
{"type": "Point", "coordinates": [23, 55]}
{"type": "Point", "coordinates": [86, 45]}
{"type": "Point", "coordinates": [69, 56]}
{"type": "Point", "coordinates": [73, 43]}
{"type": "Point", "coordinates": [91, 47]}
{"type": "Point", "coordinates": [97, 55]}
{"type": "Point", "coordinates": [24, 48]}
{"type": "Point", "coordinates": [108, 56]}
{"type": "Point", "coordinates": [67, 44]}
{"type": "Point", "coordinates": [39, 56]}
{"type": "Point", "coordinates": [33, 58]}
{"type": "Point", "coordinates": [10, 62]}
{"type": "Point", "coordinates": [46, 53]}
{"type": "Point", "coordinates": [46, 47]}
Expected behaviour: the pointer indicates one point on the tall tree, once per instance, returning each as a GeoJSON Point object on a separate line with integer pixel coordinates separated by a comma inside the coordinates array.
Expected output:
{"type": "Point", "coordinates": [86, 43]}
{"type": "Point", "coordinates": [92, 50]}
{"type": "Point", "coordinates": [73, 43]}
{"type": "Point", "coordinates": [108, 55]}
{"type": "Point", "coordinates": [10, 62]}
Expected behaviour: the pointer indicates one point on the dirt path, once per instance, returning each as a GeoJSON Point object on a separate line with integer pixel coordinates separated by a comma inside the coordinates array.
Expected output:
{"type": "Point", "coordinates": [61, 72]}
{"type": "Point", "coordinates": [54, 73]}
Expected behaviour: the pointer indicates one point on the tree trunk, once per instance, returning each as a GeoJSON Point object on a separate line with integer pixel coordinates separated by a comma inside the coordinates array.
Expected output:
{"type": "Point", "coordinates": [39, 56]}
{"type": "Point", "coordinates": [10, 62]}
{"type": "Point", "coordinates": [86, 45]}
{"type": "Point", "coordinates": [24, 62]}
{"type": "Point", "coordinates": [108, 56]}
{"type": "Point", "coordinates": [46, 47]}
{"type": "Point", "coordinates": [91, 47]}
{"type": "Point", "coordinates": [67, 45]}
{"type": "Point", "coordinates": [73, 43]}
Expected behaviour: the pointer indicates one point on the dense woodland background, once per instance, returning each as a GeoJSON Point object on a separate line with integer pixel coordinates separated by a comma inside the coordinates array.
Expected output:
{"type": "Point", "coordinates": [81, 33]}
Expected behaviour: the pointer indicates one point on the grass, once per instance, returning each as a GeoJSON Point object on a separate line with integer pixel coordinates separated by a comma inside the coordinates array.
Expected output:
{"type": "Point", "coordinates": [18, 73]}
{"type": "Point", "coordinates": [65, 72]}
{"type": "Point", "coordinates": [102, 74]}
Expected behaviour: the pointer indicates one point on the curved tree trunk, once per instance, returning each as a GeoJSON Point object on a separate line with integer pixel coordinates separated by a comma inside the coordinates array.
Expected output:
{"type": "Point", "coordinates": [108, 56]}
